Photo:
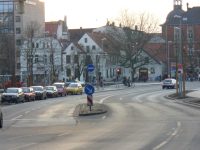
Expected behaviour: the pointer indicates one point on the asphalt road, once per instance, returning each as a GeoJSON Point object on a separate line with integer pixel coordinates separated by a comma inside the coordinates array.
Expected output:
{"type": "Point", "coordinates": [138, 118]}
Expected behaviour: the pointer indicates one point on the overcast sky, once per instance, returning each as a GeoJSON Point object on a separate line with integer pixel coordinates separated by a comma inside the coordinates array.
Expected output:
{"type": "Point", "coordinates": [94, 13]}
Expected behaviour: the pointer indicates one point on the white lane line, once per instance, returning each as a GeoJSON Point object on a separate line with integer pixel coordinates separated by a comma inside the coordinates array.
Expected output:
{"type": "Point", "coordinates": [63, 134]}
{"type": "Point", "coordinates": [27, 112]}
{"type": "Point", "coordinates": [23, 146]}
{"type": "Point", "coordinates": [103, 99]}
{"type": "Point", "coordinates": [17, 117]}
{"type": "Point", "coordinates": [169, 138]}
{"type": "Point", "coordinates": [104, 117]}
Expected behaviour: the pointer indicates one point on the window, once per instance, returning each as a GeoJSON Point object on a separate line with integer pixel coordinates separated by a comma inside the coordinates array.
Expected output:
{"type": "Point", "coordinates": [68, 72]}
{"type": "Point", "coordinates": [68, 59]}
{"type": "Point", "coordinates": [18, 30]}
{"type": "Point", "coordinates": [18, 19]}
{"type": "Point", "coordinates": [18, 65]}
{"type": "Point", "coordinates": [72, 48]}
{"type": "Point", "coordinates": [36, 58]}
{"type": "Point", "coordinates": [45, 59]}
{"type": "Point", "coordinates": [33, 45]}
{"type": "Point", "coordinates": [93, 47]}
{"type": "Point", "coordinates": [51, 58]}
{"type": "Point", "coordinates": [86, 40]}
{"type": "Point", "coordinates": [76, 59]}
{"type": "Point", "coordinates": [37, 45]}
{"type": "Point", "coordinates": [87, 49]}
{"type": "Point", "coordinates": [18, 42]}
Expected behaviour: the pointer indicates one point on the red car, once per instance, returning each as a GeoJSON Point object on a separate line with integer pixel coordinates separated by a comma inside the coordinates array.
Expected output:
{"type": "Point", "coordinates": [29, 93]}
{"type": "Point", "coordinates": [61, 88]}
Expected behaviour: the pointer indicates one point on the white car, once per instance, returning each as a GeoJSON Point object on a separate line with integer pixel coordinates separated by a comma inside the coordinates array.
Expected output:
{"type": "Point", "coordinates": [169, 83]}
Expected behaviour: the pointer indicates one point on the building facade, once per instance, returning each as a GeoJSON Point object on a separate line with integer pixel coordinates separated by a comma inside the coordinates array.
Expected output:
{"type": "Point", "coordinates": [14, 18]}
{"type": "Point", "coordinates": [181, 31]}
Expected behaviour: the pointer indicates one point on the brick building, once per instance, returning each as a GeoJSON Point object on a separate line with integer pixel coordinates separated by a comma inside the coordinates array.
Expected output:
{"type": "Point", "coordinates": [182, 34]}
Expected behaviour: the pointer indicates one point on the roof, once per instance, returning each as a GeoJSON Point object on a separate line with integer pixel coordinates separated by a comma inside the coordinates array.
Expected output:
{"type": "Point", "coordinates": [192, 15]}
{"type": "Point", "coordinates": [106, 42]}
{"type": "Point", "coordinates": [156, 51]}
{"type": "Point", "coordinates": [76, 34]}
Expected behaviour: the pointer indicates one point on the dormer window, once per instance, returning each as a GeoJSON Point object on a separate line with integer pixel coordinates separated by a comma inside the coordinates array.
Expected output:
{"type": "Point", "coordinates": [72, 48]}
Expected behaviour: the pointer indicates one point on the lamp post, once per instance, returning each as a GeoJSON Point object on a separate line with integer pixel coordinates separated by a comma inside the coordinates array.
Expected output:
{"type": "Point", "coordinates": [168, 58]}
{"type": "Point", "coordinates": [181, 65]}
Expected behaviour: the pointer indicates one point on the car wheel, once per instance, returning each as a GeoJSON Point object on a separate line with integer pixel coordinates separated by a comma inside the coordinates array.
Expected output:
{"type": "Point", "coordinates": [1, 121]}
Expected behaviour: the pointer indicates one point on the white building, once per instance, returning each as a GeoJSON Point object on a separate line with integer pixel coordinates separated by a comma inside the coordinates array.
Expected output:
{"type": "Point", "coordinates": [46, 57]}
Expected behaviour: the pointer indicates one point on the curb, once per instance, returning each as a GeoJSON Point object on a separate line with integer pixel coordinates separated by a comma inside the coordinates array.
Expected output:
{"type": "Point", "coordinates": [83, 109]}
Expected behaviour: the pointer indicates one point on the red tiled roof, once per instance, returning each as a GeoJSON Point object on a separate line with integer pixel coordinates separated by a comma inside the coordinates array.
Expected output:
{"type": "Point", "coordinates": [156, 51]}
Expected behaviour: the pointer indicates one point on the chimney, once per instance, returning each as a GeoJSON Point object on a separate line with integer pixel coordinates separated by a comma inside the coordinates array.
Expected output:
{"type": "Point", "coordinates": [187, 6]}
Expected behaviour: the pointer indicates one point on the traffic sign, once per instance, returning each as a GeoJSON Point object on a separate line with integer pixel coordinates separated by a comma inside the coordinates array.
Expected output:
{"type": "Point", "coordinates": [89, 89]}
{"type": "Point", "coordinates": [90, 68]}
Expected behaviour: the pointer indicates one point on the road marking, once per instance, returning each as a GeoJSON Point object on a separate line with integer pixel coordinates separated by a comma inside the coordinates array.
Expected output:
{"type": "Point", "coordinates": [71, 112]}
{"type": "Point", "coordinates": [17, 117]}
{"type": "Point", "coordinates": [169, 138]}
{"type": "Point", "coordinates": [103, 99]}
{"type": "Point", "coordinates": [63, 134]}
{"type": "Point", "coordinates": [27, 112]}
{"type": "Point", "coordinates": [104, 117]}
{"type": "Point", "coordinates": [23, 146]}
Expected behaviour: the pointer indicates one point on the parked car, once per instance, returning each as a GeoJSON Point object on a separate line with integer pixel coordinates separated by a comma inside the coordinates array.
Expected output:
{"type": "Point", "coordinates": [29, 93]}
{"type": "Point", "coordinates": [40, 92]}
{"type": "Point", "coordinates": [13, 95]}
{"type": "Point", "coordinates": [75, 88]}
{"type": "Point", "coordinates": [62, 91]}
{"type": "Point", "coordinates": [52, 91]}
{"type": "Point", "coordinates": [1, 118]}
{"type": "Point", "coordinates": [169, 83]}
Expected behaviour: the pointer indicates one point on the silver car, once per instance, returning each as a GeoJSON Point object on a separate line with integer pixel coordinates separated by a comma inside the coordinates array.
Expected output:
{"type": "Point", "coordinates": [13, 95]}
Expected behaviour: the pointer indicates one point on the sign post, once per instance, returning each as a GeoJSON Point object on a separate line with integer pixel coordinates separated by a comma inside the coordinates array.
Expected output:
{"type": "Point", "coordinates": [90, 101]}
{"type": "Point", "coordinates": [89, 89]}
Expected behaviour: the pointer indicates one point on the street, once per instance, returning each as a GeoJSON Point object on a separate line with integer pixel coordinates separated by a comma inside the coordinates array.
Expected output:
{"type": "Point", "coordinates": [139, 118]}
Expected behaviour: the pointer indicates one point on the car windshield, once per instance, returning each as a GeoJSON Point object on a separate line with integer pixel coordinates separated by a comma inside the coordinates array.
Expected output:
{"type": "Point", "coordinates": [58, 85]}
{"type": "Point", "coordinates": [73, 85]}
{"type": "Point", "coordinates": [26, 90]}
{"type": "Point", "coordinates": [38, 88]}
{"type": "Point", "coordinates": [12, 91]}
{"type": "Point", "coordinates": [167, 81]}
{"type": "Point", "coordinates": [49, 88]}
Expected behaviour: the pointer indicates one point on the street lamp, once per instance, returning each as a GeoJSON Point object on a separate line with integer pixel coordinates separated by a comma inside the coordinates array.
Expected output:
{"type": "Point", "coordinates": [168, 58]}
{"type": "Point", "coordinates": [180, 69]}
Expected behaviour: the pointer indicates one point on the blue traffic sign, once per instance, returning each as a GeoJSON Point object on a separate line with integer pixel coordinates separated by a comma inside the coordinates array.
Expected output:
{"type": "Point", "coordinates": [90, 68]}
{"type": "Point", "coordinates": [89, 89]}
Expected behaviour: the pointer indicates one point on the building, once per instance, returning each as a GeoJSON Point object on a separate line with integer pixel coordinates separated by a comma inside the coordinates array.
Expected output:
{"type": "Point", "coordinates": [41, 63]}
{"type": "Point", "coordinates": [181, 31]}
{"type": "Point", "coordinates": [15, 16]}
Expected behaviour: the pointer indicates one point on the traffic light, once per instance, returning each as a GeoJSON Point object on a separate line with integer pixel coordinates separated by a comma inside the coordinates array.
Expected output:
{"type": "Point", "coordinates": [118, 71]}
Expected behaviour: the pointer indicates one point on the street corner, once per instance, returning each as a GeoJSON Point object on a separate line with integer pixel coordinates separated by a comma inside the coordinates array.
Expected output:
{"type": "Point", "coordinates": [84, 110]}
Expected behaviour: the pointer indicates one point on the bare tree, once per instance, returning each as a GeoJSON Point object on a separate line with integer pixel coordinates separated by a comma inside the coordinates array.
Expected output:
{"type": "Point", "coordinates": [136, 33]}
{"type": "Point", "coordinates": [31, 31]}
